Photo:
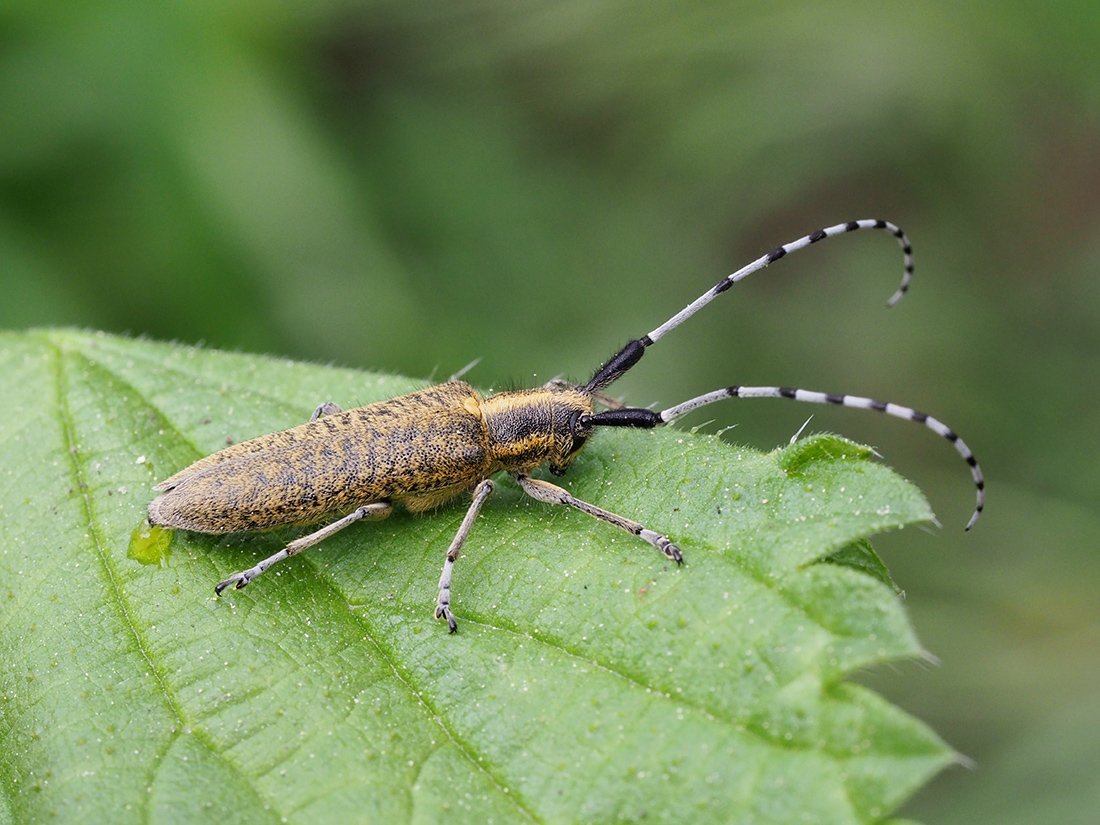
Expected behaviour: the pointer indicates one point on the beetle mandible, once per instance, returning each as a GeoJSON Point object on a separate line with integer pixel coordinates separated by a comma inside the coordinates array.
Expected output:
{"type": "Point", "coordinates": [424, 448]}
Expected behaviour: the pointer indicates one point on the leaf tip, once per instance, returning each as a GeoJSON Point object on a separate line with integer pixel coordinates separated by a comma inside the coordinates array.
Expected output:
{"type": "Point", "coordinates": [820, 447]}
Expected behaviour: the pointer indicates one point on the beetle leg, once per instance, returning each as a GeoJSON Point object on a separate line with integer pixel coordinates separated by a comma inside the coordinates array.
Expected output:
{"type": "Point", "coordinates": [553, 494]}
{"type": "Point", "coordinates": [375, 511]}
{"type": "Point", "coordinates": [328, 408]}
{"type": "Point", "coordinates": [443, 601]}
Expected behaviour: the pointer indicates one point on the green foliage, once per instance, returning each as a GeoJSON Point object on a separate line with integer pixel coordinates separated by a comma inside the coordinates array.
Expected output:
{"type": "Point", "coordinates": [409, 186]}
{"type": "Point", "coordinates": [590, 680]}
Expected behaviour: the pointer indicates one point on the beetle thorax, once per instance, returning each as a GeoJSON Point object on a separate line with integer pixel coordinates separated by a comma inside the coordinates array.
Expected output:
{"type": "Point", "coordinates": [532, 427]}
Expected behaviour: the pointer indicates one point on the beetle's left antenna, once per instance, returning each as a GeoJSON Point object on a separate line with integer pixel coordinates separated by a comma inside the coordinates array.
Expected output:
{"type": "Point", "coordinates": [629, 355]}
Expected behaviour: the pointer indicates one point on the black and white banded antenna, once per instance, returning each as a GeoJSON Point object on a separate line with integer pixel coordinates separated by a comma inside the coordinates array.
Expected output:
{"type": "Point", "coordinates": [782, 251]}
{"type": "Point", "coordinates": [855, 402]}
{"type": "Point", "coordinates": [632, 353]}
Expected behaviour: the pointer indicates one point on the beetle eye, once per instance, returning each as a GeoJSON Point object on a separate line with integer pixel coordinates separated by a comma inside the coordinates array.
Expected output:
{"type": "Point", "coordinates": [579, 427]}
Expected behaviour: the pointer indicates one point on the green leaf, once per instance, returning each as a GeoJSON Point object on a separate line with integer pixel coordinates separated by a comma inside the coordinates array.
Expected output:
{"type": "Point", "coordinates": [590, 681]}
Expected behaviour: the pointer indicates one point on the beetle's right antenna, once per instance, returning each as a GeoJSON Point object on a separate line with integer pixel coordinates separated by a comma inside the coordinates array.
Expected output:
{"type": "Point", "coordinates": [647, 419]}
{"type": "Point", "coordinates": [629, 355]}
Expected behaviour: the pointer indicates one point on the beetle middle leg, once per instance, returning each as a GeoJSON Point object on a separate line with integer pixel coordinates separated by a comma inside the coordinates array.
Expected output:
{"type": "Point", "coordinates": [377, 510]}
{"type": "Point", "coordinates": [328, 408]}
{"type": "Point", "coordinates": [443, 600]}
{"type": "Point", "coordinates": [553, 494]}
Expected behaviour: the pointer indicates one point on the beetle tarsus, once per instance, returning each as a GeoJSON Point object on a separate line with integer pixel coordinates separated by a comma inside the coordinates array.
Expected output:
{"type": "Point", "coordinates": [443, 612]}
{"type": "Point", "coordinates": [672, 551]}
{"type": "Point", "coordinates": [663, 543]}
{"type": "Point", "coordinates": [237, 580]}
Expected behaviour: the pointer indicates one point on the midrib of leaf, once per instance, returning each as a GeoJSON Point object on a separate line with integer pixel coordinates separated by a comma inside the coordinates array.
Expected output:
{"type": "Point", "coordinates": [72, 443]}
{"type": "Point", "coordinates": [68, 428]}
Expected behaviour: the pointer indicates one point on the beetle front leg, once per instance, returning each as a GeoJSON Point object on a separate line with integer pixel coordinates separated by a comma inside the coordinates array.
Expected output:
{"type": "Point", "coordinates": [378, 510]}
{"type": "Point", "coordinates": [443, 600]}
{"type": "Point", "coordinates": [553, 494]}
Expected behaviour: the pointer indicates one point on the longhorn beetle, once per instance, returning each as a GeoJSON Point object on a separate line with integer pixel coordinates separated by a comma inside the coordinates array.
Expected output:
{"type": "Point", "coordinates": [422, 449]}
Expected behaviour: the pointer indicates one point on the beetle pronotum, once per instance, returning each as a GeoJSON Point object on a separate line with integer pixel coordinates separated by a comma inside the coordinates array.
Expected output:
{"type": "Point", "coordinates": [422, 449]}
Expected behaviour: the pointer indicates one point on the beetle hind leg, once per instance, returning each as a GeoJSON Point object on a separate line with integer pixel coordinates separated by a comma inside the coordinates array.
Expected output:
{"type": "Point", "coordinates": [377, 510]}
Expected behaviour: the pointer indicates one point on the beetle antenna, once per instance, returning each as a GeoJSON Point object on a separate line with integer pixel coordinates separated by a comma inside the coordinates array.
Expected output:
{"type": "Point", "coordinates": [629, 355]}
{"type": "Point", "coordinates": [854, 402]}
{"type": "Point", "coordinates": [631, 417]}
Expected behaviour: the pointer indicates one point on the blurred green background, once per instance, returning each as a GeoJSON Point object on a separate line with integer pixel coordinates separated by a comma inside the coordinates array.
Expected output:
{"type": "Point", "coordinates": [409, 186]}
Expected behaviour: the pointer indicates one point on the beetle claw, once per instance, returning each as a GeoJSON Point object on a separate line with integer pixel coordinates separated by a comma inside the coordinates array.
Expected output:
{"type": "Point", "coordinates": [444, 612]}
{"type": "Point", "coordinates": [237, 580]}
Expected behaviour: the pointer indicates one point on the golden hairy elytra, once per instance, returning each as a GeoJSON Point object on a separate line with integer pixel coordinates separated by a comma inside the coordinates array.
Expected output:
{"type": "Point", "coordinates": [422, 449]}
